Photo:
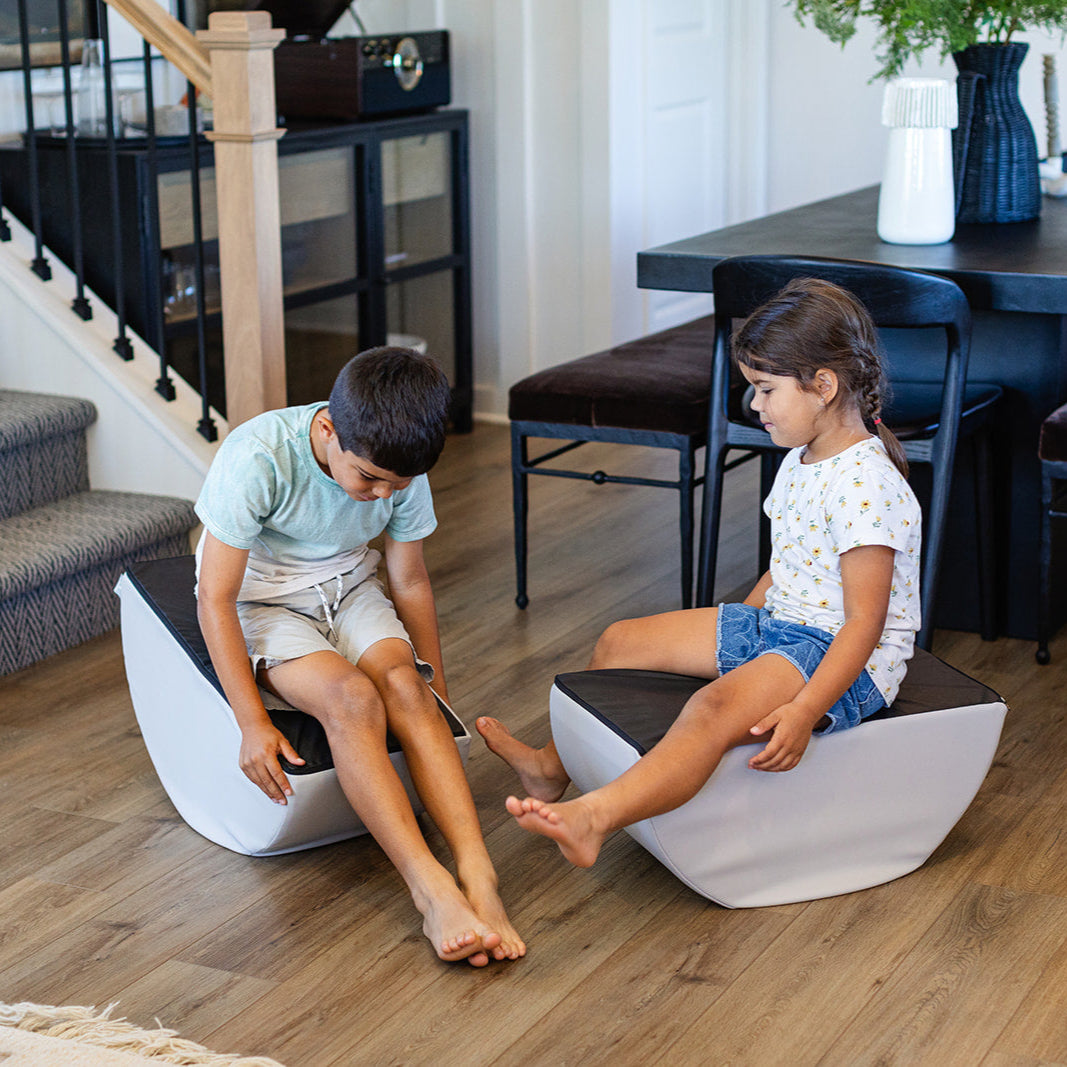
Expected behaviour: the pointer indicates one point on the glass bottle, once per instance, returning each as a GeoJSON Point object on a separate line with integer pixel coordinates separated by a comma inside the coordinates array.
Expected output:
{"type": "Point", "coordinates": [92, 94]}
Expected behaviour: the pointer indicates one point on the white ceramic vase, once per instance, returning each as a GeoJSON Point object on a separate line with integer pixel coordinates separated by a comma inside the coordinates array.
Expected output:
{"type": "Point", "coordinates": [916, 205]}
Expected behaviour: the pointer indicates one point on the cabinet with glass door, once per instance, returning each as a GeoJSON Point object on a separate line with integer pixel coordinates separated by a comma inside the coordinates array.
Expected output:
{"type": "Point", "coordinates": [375, 243]}
{"type": "Point", "coordinates": [375, 250]}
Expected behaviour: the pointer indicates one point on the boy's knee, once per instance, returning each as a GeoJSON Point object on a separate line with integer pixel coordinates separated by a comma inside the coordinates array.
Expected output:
{"type": "Point", "coordinates": [353, 696]}
{"type": "Point", "coordinates": [403, 688]}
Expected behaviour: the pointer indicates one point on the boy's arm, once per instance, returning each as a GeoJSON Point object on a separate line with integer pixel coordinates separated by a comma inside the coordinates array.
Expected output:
{"type": "Point", "coordinates": [412, 596]}
{"type": "Point", "coordinates": [866, 578]}
{"type": "Point", "coordinates": [222, 568]}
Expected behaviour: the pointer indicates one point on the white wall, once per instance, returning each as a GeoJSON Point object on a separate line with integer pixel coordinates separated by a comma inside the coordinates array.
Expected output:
{"type": "Point", "coordinates": [584, 149]}
{"type": "Point", "coordinates": [139, 443]}
{"type": "Point", "coordinates": [562, 153]}
{"type": "Point", "coordinates": [565, 188]}
{"type": "Point", "coordinates": [824, 133]}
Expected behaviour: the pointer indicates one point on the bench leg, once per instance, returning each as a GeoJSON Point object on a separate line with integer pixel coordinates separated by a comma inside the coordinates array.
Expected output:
{"type": "Point", "coordinates": [521, 508]}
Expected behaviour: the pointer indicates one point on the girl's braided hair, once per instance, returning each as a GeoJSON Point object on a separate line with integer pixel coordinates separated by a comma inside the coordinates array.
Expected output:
{"type": "Point", "coordinates": [811, 324]}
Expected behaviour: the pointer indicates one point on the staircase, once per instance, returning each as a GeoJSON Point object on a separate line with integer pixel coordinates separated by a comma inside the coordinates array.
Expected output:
{"type": "Point", "coordinates": [63, 545]}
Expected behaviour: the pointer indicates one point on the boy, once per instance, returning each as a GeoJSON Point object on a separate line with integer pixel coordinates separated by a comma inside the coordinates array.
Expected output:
{"type": "Point", "coordinates": [287, 598]}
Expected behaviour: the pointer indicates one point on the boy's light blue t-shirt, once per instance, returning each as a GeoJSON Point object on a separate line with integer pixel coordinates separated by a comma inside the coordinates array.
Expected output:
{"type": "Point", "coordinates": [265, 492]}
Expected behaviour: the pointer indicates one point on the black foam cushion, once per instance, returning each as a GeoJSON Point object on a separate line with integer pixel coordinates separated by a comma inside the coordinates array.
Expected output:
{"type": "Point", "coordinates": [166, 585]}
{"type": "Point", "coordinates": [640, 706]}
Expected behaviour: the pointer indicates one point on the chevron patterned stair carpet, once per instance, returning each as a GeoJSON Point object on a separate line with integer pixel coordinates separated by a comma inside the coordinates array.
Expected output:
{"type": "Point", "coordinates": [62, 545]}
{"type": "Point", "coordinates": [42, 449]}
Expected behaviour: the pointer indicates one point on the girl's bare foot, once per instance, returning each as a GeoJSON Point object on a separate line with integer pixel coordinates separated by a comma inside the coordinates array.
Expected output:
{"type": "Point", "coordinates": [453, 928]}
{"type": "Point", "coordinates": [570, 825]}
{"type": "Point", "coordinates": [484, 898]}
{"type": "Point", "coordinates": [539, 769]}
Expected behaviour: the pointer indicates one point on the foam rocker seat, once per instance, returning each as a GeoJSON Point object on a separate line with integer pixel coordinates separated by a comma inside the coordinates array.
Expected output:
{"type": "Point", "coordinates": [863, 807]}
{"type": "Point", "coordinates": [193, 739]}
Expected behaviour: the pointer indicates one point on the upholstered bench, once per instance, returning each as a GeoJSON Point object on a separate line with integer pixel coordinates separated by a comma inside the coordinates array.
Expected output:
{"type": "Point", "coordinates": [193, 738]}
{"type": "Point", "coordinates": [864, 806]}
{"type": "Point", "coordinates": [653, 391]}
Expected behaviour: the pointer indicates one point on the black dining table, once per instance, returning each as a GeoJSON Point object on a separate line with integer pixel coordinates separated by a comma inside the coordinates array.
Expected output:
{"type": "Point", "coordinates": [1015, 278]}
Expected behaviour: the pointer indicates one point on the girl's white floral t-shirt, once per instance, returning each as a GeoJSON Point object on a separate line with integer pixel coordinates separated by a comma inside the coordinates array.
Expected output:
{"type": "Point", "coordinates": [819, 511]}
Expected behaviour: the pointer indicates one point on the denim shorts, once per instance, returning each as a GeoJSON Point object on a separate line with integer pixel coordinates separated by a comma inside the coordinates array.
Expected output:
{"type": "Point", "coordinates": [744, 632]}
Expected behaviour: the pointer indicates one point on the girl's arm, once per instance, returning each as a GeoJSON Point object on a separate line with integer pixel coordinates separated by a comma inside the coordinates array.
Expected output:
{"type": "Point", "coordinates": [866, 578]}
{"type": "Point", "coordinates": [412, 596]}
{"type": "Point", "coordinates": [222, 569]}
{"type": "Point", "coordinates": [758, 597]}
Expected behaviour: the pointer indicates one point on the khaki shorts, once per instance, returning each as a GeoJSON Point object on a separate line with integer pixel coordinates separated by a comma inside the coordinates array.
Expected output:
{"type": "Point", "coordinates": [330, 617]}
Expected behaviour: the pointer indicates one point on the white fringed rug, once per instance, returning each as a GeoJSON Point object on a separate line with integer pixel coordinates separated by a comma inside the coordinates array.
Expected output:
{"type": "Point", "coordinates": [37, 1034]}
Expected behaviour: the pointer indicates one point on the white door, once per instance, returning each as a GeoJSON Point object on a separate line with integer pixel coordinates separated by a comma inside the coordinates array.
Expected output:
{"type": "Point", "coordinates": [685, 134]}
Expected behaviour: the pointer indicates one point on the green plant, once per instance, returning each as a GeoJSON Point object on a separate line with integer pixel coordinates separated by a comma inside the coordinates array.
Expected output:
{"type": "Point", "coordinates": [908, 28]}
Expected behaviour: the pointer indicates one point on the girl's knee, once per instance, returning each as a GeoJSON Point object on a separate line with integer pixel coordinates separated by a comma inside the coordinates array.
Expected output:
{"type": "Point", "coordinates": [721, 719]}
{"type": "Point", "coordinates": [615, 646]}
{"type": "Point", "coordinates": [709, 703]}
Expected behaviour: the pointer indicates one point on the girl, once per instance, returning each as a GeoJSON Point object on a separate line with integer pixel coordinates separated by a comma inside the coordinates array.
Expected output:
{"type": "Point", "coordinates": [823, 639]}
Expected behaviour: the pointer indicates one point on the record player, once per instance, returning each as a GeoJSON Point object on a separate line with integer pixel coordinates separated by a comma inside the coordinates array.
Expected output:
{"type": "Point", "coordinates": [352, 78]}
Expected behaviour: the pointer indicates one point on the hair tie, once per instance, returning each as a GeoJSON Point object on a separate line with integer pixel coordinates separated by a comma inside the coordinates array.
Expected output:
{"type": "Point", "coordinates": [878, 421]}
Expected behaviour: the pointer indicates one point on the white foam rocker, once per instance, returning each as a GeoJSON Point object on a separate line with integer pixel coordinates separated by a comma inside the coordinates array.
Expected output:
{"type": "Point", "coordinates": [863, 807]}
{"type": "Point", "coordinates": [193, 738]}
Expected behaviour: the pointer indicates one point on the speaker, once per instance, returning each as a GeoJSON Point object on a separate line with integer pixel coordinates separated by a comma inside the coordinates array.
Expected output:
{"type": "Point", "coordinates": [356, 78]}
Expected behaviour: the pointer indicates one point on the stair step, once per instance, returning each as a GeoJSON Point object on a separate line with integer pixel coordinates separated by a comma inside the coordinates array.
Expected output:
{"type": "Point", "coordinates": [59, 564]}
{"type": "Point", "coordinates": [42, 449]}
{"type": "Point", "coordinates": [52, 542]}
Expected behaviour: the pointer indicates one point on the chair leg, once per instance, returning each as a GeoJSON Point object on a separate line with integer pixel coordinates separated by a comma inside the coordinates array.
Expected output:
{"type": "Point", "coordinates": [520, 508]}
{"type": "Point", "coordinates": [1044, 599]}
{"type": "Point", "coordinates": [769, 462]}
{"type": "Point", "coordinates": [686, 466]}
{"type": "Point", "coordinates": [933, 536]}
{"type": "Point", "coordinates": [709, 525]}
{"type": "Point", "coordinates": [985, 515]}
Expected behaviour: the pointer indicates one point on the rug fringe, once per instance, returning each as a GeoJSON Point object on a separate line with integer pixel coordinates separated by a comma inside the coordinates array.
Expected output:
{"type": "Point", "coordinates": [86, 1024]}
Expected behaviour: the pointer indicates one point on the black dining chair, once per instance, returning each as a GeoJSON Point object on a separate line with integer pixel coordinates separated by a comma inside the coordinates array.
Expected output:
{"type": "Point", "coordinates": [1052, 452]}
{"type": "Point", "coordinates": [652, 391]}
{"type": "Point", "coordinates": [931, 403]}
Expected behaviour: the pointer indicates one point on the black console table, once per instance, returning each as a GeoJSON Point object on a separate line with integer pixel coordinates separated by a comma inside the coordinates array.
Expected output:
{"type": "Point", "coordinates": [1015, 277]}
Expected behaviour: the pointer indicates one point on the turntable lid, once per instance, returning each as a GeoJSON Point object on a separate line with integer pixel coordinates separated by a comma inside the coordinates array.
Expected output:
{"type": "Point", "coordinates": [302, 18]}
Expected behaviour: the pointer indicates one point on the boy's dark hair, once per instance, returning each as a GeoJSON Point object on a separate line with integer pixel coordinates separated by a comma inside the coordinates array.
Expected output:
{"type": "Point", "coordinates": [390, 406]}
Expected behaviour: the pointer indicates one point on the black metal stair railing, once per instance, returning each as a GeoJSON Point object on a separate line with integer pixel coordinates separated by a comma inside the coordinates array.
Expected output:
{"type": "Point", "coordinates": [122, 344]}
{"type": "Point", "coordinates": [34, 211]}
{"type": "Point", "coordinates": [80, 304]}
{"type": "Point", "coordinates": [39, 265]}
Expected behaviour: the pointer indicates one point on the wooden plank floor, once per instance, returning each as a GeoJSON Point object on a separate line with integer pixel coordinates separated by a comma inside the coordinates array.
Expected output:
{"type": "Point", "coordinates": [317, 958]}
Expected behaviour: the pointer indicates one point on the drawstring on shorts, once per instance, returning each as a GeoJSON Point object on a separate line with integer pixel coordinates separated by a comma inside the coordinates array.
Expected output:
{"type": "Point", "coordinates": [327, 609]}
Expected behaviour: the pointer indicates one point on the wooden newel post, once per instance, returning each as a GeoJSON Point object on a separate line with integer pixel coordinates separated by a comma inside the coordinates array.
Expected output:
{"type": "Point", "coordinates": [241, 45]}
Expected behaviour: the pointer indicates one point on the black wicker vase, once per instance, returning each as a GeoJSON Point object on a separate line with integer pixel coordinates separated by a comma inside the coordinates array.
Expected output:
{"type": "Point", "coordinates": [994, 146]}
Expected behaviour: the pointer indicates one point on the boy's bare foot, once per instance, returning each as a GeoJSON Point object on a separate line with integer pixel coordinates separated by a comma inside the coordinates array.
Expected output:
{"type": "Point", "coordinates": [454, 929]}
{"type": "Point", "coordinates": [570, 825]}
{"type": "Point", "coordinates": [481, 891]}
{"type": "Point", "coordinates": [540, 771]}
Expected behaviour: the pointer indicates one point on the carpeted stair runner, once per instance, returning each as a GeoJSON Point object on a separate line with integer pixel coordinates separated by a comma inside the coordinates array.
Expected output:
{"type": "Point", "coordinates": [62, 545]}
